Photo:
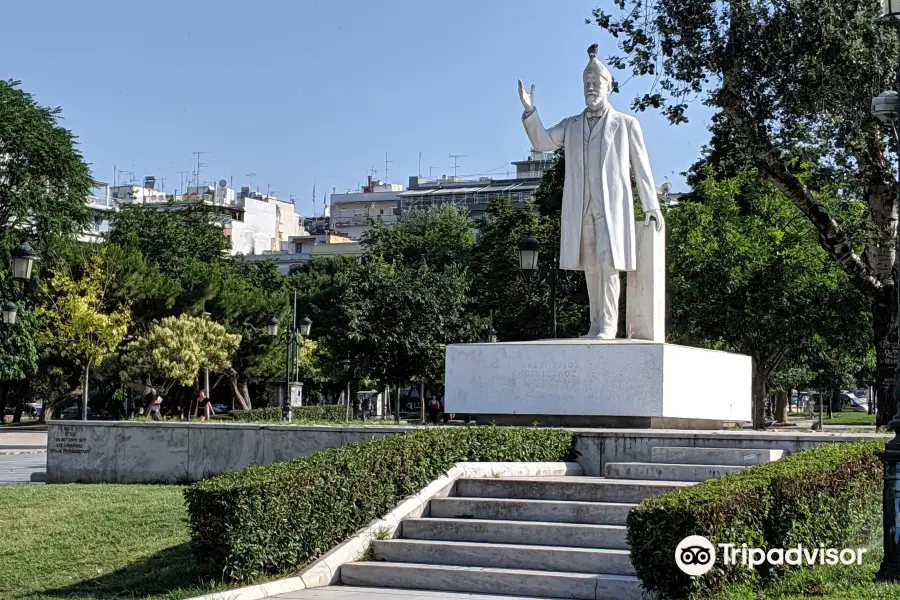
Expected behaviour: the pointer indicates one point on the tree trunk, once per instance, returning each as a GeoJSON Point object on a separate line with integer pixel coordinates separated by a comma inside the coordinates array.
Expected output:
{"type": "Point", "coordinates": [422, 401]}
{"type": "Point", "coordinates": [397, 406]}
{"type": "Point", "coordinates": [239, 389]}
{"type": "Point", "coordinates": [759, 395]}
{"type": "Point", "coordinates": [887, 354]}
{"type": "Point", "coordinates": [781, 401]}
{"type": "Point", "coordinates": [2, 400]}
{"type": "Point", "coordinates": [84, 390]}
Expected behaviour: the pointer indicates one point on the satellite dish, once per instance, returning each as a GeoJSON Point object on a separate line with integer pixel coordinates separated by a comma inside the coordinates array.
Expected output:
{"type": "Point", "coordinates": [665, 188]}
{"type": "Point", "coordinates": [222, 183]}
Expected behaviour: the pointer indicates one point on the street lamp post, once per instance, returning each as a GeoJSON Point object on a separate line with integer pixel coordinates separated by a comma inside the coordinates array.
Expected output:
{"type": "Point", "coordinates": [529, 249]}
{"type": "Point", "coordinates": [9, 313]}
{"type": "Point", "coordinates": [295, 334]}
{"type": "Point", "coordinates": [886, 107]}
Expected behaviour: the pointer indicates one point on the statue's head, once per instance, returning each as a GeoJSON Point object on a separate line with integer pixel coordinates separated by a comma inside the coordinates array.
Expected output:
{"type": "Point", "coordinates": [597, 81]}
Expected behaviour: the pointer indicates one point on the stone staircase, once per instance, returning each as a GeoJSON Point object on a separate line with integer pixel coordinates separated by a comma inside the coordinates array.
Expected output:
{"type": "Point", "coordinates": [548, 537]}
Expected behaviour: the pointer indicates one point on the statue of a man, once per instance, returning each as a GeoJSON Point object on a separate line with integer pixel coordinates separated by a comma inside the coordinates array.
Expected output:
{"type": "Point", "coordinates": [598, 229]}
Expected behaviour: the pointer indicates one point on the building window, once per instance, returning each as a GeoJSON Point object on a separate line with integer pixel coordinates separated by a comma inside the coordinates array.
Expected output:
{"type": "Point", "coordinates": [380, 211]}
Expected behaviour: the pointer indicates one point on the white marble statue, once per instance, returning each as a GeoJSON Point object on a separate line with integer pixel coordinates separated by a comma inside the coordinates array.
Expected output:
{"type": "Point", "coordinates": [602, 147]}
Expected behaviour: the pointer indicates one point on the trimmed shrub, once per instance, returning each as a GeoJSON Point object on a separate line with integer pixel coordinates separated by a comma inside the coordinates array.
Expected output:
{"type": "Point", "coordinates": [275, 519]}
{"type": "Point", "coordinates": [329, 412]}
{"type": "Point", "coordinates": [828, 495]}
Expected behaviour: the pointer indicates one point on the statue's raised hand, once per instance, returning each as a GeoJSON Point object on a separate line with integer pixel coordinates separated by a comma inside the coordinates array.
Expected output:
{"type": "Point", "coordinates": [527, 98]}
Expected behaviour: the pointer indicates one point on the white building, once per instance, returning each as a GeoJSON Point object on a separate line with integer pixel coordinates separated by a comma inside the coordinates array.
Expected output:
{"type": "Point", "coordinates": [300, 249]}
{"type": "Point", "coordinates": [260, 223]}
{"type": "Point", "coordinates": [350, 213]}
{"type": "Point", "coordinates": [254, 222]}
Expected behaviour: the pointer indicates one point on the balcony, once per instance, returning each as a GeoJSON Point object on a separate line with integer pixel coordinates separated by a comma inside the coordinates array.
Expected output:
{"type": "Point", "coordinates": [361, 220]}
{"type": "Point", "coordinates": [102, 202]}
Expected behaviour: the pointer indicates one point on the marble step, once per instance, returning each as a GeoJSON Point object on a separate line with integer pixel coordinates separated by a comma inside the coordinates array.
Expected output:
{"type": "Point", "coordinates": [505, 556]}
{"type": "Point", "coordinates": [580, 489]}
{"type": "Point", "coordinates": [483, 580]}
{"type": "Point", "coordinates": [649, 471]}
{"type": "Point", "coordinates": [516, 532]}
{"type": "Point", "coordinates": [548, 511]}
{"type": "Point", "coordinates": [714, 456]}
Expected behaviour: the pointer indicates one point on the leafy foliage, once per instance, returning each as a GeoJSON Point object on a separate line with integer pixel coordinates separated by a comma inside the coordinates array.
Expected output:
{"type": "Point", "coordinates": [747, 275]}
{"type": "Point", "coordinates": [276, 519]}
{"type": "Point", "coordinates": [829, 495]}
{"type": "Point", "coordinates": [791, 82]}
{"type": "Point", "coordinates": [176, 349]}
{"type": "Point", "coordinates": [331, 412]}
{"type": "Point", "coordinates": [78, 318]}
{"type": "Point", "coordinates": [43, 178]}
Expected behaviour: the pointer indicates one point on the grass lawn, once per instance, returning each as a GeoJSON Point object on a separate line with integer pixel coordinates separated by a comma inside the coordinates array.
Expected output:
{"type": "Point", "coordinates": [850, 418]}
{"type": "Point", "coordinates": [826, 582]}
{"type": "Point", "coordinates": [93, 542]}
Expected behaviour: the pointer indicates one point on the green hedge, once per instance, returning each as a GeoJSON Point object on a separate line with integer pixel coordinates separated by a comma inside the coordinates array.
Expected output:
{"type": "Point", "coordinates": [828, 495]}
{"type": "Point", "coordinates": [328, 412]}
{"type": "Point", "coordinates": [276, 519]}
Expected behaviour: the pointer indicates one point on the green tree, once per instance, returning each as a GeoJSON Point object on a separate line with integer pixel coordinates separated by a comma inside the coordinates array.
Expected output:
{"type": "Point", "coordinates": [175, 350]}
{"type": "Point", "coordinates": [747, 275]}
{"type": "Point", "coordinates": [78, 321]}
{"type": "Point", "coordinates": [184, 251]}
{"type": "Point", "coordinates": [439, 236]}
{"type": "Point", "coordinates": [400, 320]}
{"type": "Point", "coordinates": [247, 297]}
{"type": "Point", "coordinates": [791, 83]}
{"type": "Point", "coordinates": [44, 180]}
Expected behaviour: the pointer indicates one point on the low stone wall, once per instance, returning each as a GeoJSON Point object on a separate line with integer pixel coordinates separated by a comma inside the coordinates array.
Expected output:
{"type": "Point", "coordinates": [144, 452]}
{"type": "Point", "coordinates": [141, 452]}
{"type": "Point", "coordinates": [597, 447]}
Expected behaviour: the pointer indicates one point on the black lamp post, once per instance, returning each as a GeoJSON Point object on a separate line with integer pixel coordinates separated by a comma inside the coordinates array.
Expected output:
{"type": "Point", "coordinates": [9, 313]}
{"type": "Point", "coordinates": [295, 335]}
{"type": "Point", "coordinates": [529, 249]}
{"type": "Point", "coordinates": [23, 258]}
{"type": "Point", "coordinates": [886, 107]}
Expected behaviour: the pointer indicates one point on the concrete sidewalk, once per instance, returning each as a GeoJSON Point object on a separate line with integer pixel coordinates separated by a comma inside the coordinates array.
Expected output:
{"type": "Point", "coordinates": [23, 440]}
{"type": "Point", "coordinates": [354, 593]}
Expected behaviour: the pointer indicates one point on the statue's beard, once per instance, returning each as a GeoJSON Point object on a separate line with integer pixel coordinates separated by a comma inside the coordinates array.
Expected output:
{"type": "Point", "coordinates": [595, 102]}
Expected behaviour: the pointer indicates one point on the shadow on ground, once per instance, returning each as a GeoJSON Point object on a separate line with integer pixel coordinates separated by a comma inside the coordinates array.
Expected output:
{"type": "Point", "coordinates": [172, 573]}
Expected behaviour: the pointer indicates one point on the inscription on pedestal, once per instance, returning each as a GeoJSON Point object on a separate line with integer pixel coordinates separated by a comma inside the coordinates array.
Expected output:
{"type": "Point", "coordinates": [68, 441]}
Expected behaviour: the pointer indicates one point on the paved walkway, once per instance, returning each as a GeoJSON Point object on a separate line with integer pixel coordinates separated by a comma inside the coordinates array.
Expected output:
{"type": "Point", "coordinates": [18, 468]}
{"type": "Point", "coordinates": [354, 593]}
{"type": "Point", "coordinates": [23, 452]}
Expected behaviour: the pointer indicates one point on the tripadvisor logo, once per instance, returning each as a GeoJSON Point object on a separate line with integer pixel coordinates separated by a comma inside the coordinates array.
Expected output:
{"type": "Point", "coordinates": [695, 555]}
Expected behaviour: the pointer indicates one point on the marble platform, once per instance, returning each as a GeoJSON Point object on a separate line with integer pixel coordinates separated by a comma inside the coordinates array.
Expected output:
{"type": "Point", "coordinates": [598, 383]}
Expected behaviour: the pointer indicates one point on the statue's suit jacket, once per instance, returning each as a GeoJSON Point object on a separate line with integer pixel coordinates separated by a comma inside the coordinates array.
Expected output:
{"type": "Point", "coordinates": [615, 144]}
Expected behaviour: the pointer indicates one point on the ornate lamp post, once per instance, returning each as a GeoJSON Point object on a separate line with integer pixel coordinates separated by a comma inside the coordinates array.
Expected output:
{"type": "Point", "coordinates": [23, 258]}
{"type": "Point", "coordinates": [529, 248]}
{"type": "Point", "coordinates": [9, 313]}
{"type": "Point", "coordinates": [886, 107]}
{"type": "Point", "coordinates": [294, 337]}
{"type": "Point", "coordinates": [272, 327]}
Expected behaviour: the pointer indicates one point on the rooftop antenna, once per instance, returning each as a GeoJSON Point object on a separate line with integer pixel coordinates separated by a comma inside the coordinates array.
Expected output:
{"type": "Point", "coordinates": [386, 161]}
{"type": "Point", "coordinates": [430, 169]}
{"type": "Point", "coordinates": [456, 158]}
{"type": "Point", "coordinates": [182, 174]}
{"type": "Point", "coordinates": [251, 175]}
{"type": "Point", "coordinates": [370, 171]}
{"type": "Point", "coordinates": [420, 164]}
{"type": "Point", "coordinates": [199, 165]}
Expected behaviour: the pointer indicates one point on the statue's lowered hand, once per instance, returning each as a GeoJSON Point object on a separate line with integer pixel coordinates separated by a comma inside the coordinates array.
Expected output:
{"type": "Point", "coordinates": [656, 216]}
{"type": "Point", "coordinates": [527, 98]}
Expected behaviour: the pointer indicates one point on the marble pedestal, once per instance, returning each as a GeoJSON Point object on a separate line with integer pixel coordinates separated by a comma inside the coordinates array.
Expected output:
{"type": "Point", "coordinates": [598, 383]}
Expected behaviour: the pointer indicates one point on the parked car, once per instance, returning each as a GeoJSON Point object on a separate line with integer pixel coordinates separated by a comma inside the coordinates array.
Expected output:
{"type": "Point", "coordinates": [73, 413]}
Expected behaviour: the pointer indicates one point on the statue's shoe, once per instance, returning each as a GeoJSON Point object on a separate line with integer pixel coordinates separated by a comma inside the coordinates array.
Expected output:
{"type": "Point", "coordinates": [600, 334]}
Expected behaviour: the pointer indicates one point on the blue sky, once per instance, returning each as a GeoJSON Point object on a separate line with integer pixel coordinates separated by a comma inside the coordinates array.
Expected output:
{"type": "Point", "coordinates": [313, 92]}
